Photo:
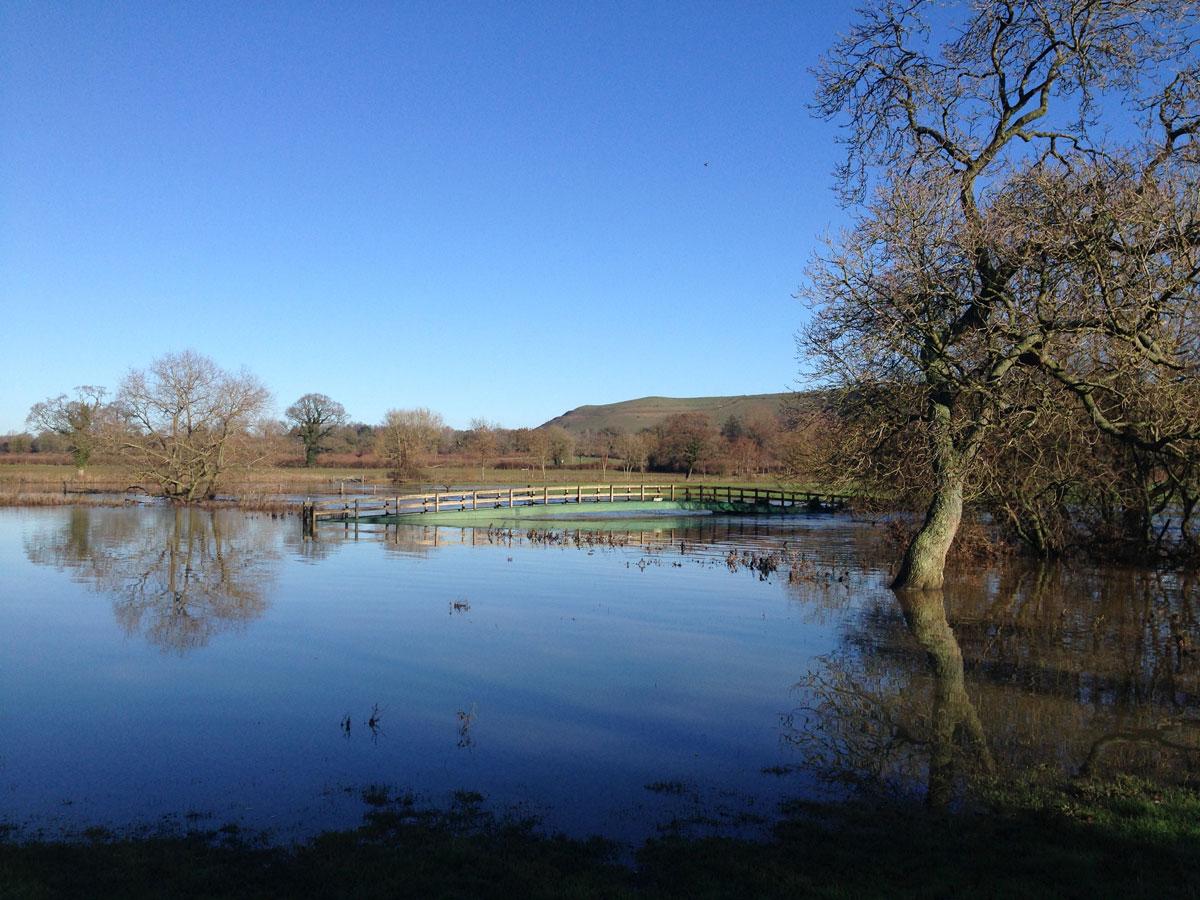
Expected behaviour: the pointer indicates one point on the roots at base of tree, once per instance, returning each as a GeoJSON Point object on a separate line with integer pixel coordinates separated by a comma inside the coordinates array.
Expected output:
{"type": "Point", "coordinates": [920, 575]}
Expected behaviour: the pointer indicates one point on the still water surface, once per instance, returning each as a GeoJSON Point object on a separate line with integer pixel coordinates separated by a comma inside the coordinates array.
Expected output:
{"type": "Point", "coordinates": [216, 667]}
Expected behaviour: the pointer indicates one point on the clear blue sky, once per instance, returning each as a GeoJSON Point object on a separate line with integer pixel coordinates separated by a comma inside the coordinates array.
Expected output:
{"type": "Point", "coordinates": [499, 210]}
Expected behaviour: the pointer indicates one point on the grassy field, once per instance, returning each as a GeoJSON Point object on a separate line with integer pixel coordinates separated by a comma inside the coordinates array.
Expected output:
{"type": "Point", "coordinates": [633, 415]}
{"type": "Point", "coordinates": [1120, 837]}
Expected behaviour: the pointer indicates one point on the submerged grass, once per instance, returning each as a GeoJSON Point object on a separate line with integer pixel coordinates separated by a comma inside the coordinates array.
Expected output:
{"type": "Point", "coordinates": [33, 498]}
{"type": "Point", "coordinates": [1119, 837]}
{"type": "Point", "coordinates": [247, 503]}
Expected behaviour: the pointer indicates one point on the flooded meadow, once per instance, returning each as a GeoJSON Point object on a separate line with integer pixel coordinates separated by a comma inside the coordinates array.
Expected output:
{"type": "Point", "coordinates": [195, 668]}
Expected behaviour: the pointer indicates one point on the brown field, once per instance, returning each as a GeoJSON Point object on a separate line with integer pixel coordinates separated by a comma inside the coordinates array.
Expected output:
{"type": "Point", "coordinates": [27, 483]}
{"type": "Point", "coordinates": [34, 459]}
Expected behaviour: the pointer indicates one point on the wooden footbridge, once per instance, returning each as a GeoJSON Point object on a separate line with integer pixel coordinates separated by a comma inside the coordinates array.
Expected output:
{"type": "Point", "coordinates": [546, 502]}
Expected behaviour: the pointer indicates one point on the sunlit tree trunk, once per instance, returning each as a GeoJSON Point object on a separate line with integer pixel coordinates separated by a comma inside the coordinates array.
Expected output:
{"type": "Point", "coordinates": [924, 564]}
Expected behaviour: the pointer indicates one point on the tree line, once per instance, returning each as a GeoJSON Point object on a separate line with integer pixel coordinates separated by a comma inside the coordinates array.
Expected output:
{"type": "Point", "coordinates": [183, 423]}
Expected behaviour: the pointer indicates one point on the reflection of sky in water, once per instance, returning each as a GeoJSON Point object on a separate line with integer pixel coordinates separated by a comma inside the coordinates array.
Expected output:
{"type": "Point", "coordinates": [156, 662]}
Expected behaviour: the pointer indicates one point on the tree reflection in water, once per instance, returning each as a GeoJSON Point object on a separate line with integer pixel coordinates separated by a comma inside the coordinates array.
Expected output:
{"type": "Point", "coordinates": [954, 723]}
{"type": "Point", "coordinates": [177, 576]}
{"type": "Point", "coordinates": [1082, 672]}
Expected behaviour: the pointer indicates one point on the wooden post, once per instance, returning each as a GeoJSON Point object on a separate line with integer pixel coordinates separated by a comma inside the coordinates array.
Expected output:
{"type": "Point", "coordinates": [579, 493]}
{"type": "Point", "coordinates": [672, 490]}
{"type": "Point", "coordinates": [510, 496]}
{"type": "Point", "coordinates": [642, 495]}
{"type": "Point", "coordinates": [610, 492]}
{"type": "Point", "coordinates": [474, 500]}
{"type": "Point", "coordinates": [546, 496]}
{"type": "Point", "coordinates": [437, 502]}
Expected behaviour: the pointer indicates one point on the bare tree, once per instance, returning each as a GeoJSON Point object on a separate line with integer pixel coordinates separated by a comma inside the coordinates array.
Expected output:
{"type": "Point", "coordinates": [79, 420]}
{"type": "Point", "coordinates": [481, 442]}
{"type": "Point", "coordinates": [551, 444]}
{"type": "Point", "coordinates": [604, 446]}
{"type": "Point", "coordinates": [1008, 242]}
{"type": "Point", "coordinates": [185, 423]}
{"type": "Point", "coordinates": [538, 441]}
{"type": "Point", "coordinates": [634, 451]}
{"type": "Point", "coordinates": [314, 418]}
{"type": "Point", "coordinates": [406, 437]}
{"type": "Point", "coordinates": [271, 439]}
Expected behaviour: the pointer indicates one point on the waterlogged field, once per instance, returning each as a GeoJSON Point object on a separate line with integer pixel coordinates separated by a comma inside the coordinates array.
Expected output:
{"type": "Point", "coordinates": [619, 678]}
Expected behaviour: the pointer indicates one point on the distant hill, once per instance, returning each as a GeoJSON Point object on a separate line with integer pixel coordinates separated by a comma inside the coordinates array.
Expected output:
{"type": "Point", "coordinates": [634, 415]}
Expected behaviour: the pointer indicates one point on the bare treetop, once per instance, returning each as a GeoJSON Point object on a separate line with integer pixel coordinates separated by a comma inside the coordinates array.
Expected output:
{"type": "Point", "coordinates": [1029, 74]}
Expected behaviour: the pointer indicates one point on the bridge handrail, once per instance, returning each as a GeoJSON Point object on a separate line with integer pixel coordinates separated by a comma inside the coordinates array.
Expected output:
{"type": "Point", "coordinates": [594, 490]}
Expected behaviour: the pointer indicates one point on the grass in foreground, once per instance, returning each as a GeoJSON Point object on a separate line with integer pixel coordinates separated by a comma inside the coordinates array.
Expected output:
{"type": "Point", "coordinates": [1064, 839]}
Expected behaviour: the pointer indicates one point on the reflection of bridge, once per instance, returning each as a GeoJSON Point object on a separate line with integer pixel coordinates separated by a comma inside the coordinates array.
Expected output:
{"type": "Point", "coordinates": [566, 502]}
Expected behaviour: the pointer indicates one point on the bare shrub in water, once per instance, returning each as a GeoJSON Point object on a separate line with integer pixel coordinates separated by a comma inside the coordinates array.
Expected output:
{"type": "Point", "coordinates": [184, 422]}
{"type": "Point", "coordinates": [406, 438]}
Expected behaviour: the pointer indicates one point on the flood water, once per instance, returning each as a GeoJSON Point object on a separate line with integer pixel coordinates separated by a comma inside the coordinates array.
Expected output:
{"type": "Point", "coordinates": [200, 668]}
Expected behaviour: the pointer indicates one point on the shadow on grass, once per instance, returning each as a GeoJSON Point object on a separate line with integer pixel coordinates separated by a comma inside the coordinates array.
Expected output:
{"type": "Point", "coordinates": [1119, 837]}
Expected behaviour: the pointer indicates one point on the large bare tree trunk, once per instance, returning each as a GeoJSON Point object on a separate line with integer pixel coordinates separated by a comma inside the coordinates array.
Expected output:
{"type": "Point", "coordinates": [924, 561]}
{"type": "Point", "coordinates": [924, 564]}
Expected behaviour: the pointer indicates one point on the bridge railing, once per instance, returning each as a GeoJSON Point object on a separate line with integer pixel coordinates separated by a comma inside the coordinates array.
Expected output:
{"type": "Point", "coordinates": [353, 509]}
